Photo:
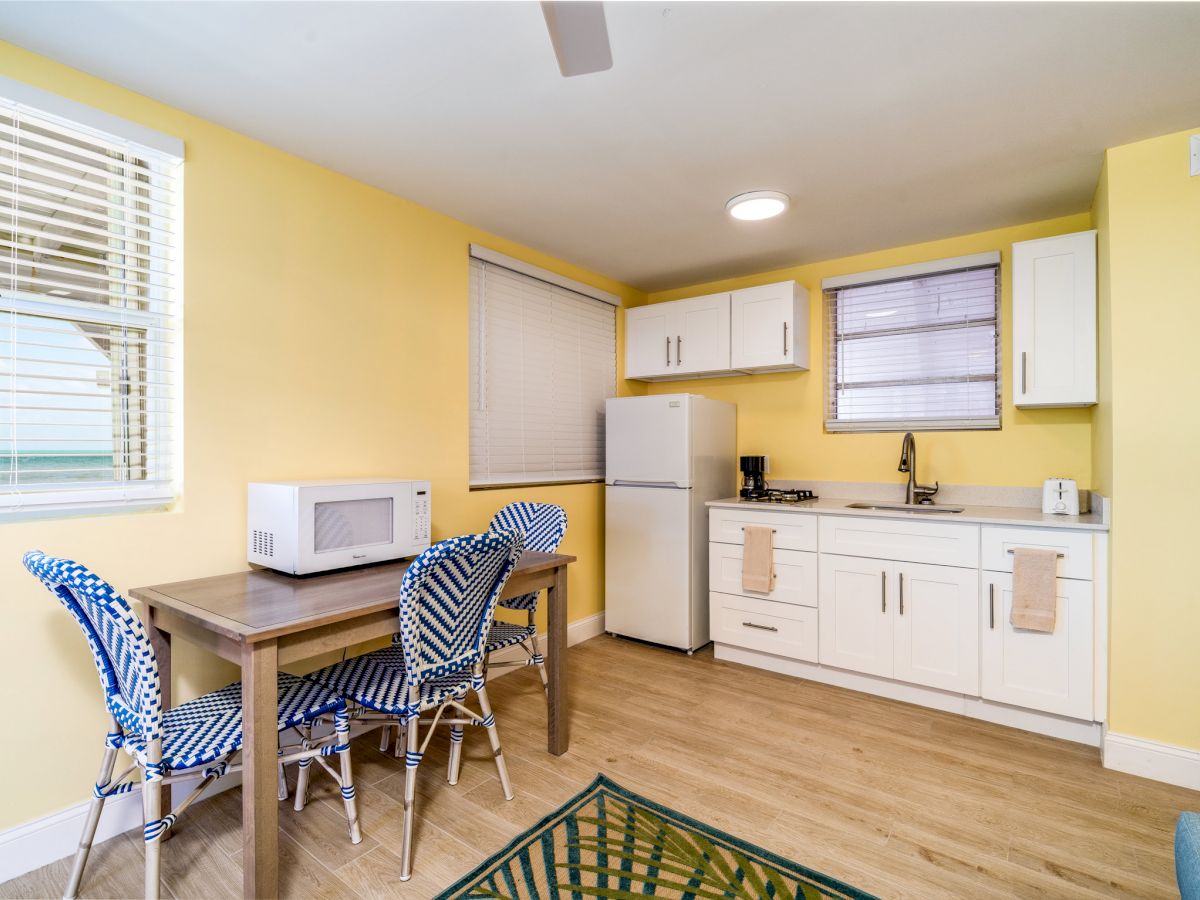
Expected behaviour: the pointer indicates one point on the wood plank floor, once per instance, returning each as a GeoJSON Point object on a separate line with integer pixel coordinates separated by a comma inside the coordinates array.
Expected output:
{"type": "Point", "coordinates": [895, 799]}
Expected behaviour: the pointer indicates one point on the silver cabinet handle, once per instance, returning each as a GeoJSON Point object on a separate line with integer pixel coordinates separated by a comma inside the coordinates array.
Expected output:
{"type": "Point", "coordinates": [760, 627]}
{"type": "Point", "coordinates": [883, 589]}
{"type": "Point", "coordinates": [785, 339]}
{"type": "Point", "coordinates": [668, 350]}
{"type": "Point", "coordinates": [1024, 388]}
{"type": "Point", "coordinates": [992, 606]}
{"type": "Point", "coordinates": [901, 593]}
{"type": "Point", "coordinates": [678, 350]}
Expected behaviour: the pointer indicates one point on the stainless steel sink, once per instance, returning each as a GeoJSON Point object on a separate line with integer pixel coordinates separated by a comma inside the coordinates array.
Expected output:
{"type": "Point", "coordinates": [906, 507]}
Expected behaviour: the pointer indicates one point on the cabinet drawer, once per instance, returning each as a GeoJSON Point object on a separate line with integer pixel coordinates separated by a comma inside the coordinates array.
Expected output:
{"type": "Point", "coordinates": [793, 531]}
{"type": "Point", "coordinates": [778, 628]}
{"type": "Point", "coordinates": [795, 574]}
{"type": "Point", "coordinates": [935, 543]}
{"type": "Point", "coordinates": [1075, 547]}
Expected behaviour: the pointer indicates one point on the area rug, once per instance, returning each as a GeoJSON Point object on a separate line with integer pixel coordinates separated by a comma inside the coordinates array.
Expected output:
{"type": "Point", "coordinates": [609, 842]}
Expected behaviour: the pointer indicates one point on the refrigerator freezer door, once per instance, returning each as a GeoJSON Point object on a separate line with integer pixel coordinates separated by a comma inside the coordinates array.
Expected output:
{"type": "Point", "coordinates": [648, 440]}
{"type": "Point", "coordinates": [646, 564]}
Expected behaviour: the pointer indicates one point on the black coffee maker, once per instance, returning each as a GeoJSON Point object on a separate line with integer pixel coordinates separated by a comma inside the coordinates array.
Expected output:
{"type": "Point", "coordinates": [754, 476]}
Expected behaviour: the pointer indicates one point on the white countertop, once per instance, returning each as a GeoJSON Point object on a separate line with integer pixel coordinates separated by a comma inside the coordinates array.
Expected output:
{"type": "Point", "coordinates": [982, 515]}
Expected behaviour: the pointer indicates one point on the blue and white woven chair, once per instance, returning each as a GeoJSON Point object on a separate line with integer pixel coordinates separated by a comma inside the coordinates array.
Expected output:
{"type": "Point", "coordinates": [543, 525]}
{"type": "Point", "coordinates": [447, 602]}
{"type": "Point", "coordinates": [204, 734]}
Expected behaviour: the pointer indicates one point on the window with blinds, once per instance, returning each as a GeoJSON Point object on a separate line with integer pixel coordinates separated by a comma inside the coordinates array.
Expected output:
{"type": "Point", "coordinates": [914, 352]}
{"type": "Point", "coordinates": [89, 316]}
{"type": "Point", "coordinates": [543, 361]}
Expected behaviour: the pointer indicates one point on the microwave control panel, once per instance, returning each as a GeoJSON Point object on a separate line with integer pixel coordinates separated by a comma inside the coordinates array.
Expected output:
{"type": "Point", "coordinates": [421, 514]}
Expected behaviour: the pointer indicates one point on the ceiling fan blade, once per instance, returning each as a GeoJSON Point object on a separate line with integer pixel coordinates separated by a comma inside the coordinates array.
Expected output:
{"type": "Point", "coordinates": [579, 35]}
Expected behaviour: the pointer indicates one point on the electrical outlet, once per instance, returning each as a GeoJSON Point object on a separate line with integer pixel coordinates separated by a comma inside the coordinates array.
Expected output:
{"type": "Point", "coordinates": [1196, 154]}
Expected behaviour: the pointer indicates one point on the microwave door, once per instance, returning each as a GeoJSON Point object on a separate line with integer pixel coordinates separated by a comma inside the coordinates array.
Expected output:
{"type": "Point", "coordinates": [349, 527]}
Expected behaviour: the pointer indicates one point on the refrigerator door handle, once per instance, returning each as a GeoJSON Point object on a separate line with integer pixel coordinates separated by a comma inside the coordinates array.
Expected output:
{"type": "Point", "coordinates": [620, 482]}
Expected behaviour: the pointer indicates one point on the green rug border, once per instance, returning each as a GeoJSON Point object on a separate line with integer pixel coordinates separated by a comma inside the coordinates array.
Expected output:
{"type": "Point", "coordinates": [601, 780]}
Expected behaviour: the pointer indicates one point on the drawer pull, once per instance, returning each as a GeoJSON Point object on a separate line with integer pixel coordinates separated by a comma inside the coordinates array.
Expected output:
{"type": "Point", "coordinates": [760, 627]}
{"type": "Point", "coordinates": [1060, 555]}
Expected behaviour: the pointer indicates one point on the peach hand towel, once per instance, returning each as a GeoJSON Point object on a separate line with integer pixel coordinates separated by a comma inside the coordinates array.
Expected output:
{"type": "Point", "coordinates": [758, 570]}
{"type": "Point", "coordinates": [1034, 596]}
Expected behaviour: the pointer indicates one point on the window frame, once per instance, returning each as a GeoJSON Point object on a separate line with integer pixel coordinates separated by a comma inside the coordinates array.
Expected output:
{"type": "Point", "coordinates": [160, 321]}
{"type": "Point", "coordinates": [832, 286]}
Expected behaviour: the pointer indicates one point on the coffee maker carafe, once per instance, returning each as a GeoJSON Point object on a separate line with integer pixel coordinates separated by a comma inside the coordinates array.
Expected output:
{"type": "Point", "coordinates": [754, 476]}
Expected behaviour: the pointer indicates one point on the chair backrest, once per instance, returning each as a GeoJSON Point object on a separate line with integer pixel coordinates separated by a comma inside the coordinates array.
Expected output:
{"type": "Point", "coordinates": [542, 524]}
{"type": "Point", "coordinates": [120, 645]}
{"type": "Point", "coordinates": [448, 599]}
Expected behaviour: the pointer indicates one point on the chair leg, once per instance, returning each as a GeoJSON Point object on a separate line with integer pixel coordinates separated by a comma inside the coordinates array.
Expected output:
{"type": "Point", "coordinates": [155, 824]}
{"type": "Point", "coordinates": [283, 788]}
{"type": "Point", "coordinates": [456, 739]}
{"type": "Point", "coordinates": [341, 727]}
{"type": "Point", "coordinates": [489, 722]}
{"type": "Point", "coordinates": [412, 759]}
{"type": "Point", "coordinates": [93, 819]}
{"type": "Point", "coordinates": [303, 772]}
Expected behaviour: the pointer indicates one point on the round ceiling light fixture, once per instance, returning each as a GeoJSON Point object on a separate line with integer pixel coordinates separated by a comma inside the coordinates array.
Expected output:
{"type": "Point", "coordinates": [757, 205]}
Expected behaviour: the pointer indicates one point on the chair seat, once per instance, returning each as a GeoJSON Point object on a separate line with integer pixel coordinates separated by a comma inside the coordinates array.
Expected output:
{"type": "Point", "coordinates": [379, 681]}
{"type": "Point", "coordinates": [208, 728]}
{"type": "Point", "coordinates": [505, 634]}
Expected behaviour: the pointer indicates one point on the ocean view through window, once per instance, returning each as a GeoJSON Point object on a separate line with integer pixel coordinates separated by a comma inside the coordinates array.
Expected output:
{"type": "Point", "coordinates": [89, 313]}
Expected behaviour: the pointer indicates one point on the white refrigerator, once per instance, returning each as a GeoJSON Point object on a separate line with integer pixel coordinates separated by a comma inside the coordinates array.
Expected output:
{"type": "Point", "coordinates": [666, 456]}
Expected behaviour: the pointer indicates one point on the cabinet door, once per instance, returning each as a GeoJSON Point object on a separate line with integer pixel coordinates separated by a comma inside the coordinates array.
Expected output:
{"type": "Point", "coordinates": [649, 341]}
{"type": "Point", "coordinates": [767, 328]}
{"type": "Point", "coordinates": [1050, 672]}
{"type": "Point", "coordinates": [1054, 321]}
{"type": "Point", "coordinates": [937, 627]}
{"type": "Point", "coordinates": [854, 620]}
{"type": "Point", "coordinates": [701, 333]}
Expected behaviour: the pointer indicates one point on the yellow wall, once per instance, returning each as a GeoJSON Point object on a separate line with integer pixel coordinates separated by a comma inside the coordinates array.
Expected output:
{"type": "Point", "coordinates": [782, 414]}
{"type": "Point", "coordinates": [1151, 206]}
{"type": "Point", "coordinates": [325, 336]}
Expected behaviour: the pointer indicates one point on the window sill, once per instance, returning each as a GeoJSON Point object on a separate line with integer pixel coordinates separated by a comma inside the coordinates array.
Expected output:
{"type": "Point", "coordinates": [77, 511]}
{"type": "Point", "coordinates": [528, 484]}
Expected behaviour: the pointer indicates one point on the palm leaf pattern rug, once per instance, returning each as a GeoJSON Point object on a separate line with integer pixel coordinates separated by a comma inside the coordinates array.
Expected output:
{"type": "Point", "coordinates": [609, 842]}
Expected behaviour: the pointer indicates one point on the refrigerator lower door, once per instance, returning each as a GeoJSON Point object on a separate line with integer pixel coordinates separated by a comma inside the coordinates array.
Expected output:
{"type": "Point", "coordinates": [647, 567]}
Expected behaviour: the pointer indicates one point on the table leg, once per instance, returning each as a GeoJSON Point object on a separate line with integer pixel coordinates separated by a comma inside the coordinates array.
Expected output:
{"type": "Point", "coordinates": [556, 664]}
{"type": "Point", "coordinates": [161, 642]}
{"type": "Point", "coordinates": [260, 745]}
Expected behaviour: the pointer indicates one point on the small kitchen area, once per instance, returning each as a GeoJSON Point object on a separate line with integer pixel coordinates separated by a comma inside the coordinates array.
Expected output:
{"type": "Point", "coordinates": [989, 600]}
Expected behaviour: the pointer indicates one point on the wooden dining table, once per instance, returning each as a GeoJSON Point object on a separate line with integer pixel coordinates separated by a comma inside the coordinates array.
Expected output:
{"type": "Point", "coordinates": [261, 619]}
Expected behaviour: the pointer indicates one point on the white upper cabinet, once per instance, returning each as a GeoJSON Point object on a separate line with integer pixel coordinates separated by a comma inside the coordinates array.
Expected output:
{"type": "Point", "coordinates": [769, 328]}
{"type": "Point", "coordinates": [701, 335]}
{"type": "Point", "coordinates": [1054, 321]}
{"type": "Point", "coordinates": [682, 338]}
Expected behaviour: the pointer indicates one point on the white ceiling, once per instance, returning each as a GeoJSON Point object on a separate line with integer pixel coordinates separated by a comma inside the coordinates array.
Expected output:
{"type": "Point", "coordinates": [886, 123]}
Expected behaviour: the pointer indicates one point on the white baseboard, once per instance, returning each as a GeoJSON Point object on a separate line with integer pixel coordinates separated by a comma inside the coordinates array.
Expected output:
{"type": "Point", "coordinates": [24, 848]}
{"type": "Point", "coordinates": [577, 632]}
{"type": "Point", "coordinates": [1150, 759]}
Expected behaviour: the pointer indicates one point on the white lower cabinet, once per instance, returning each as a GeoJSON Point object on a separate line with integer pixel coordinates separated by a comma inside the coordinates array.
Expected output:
{"type": "Point", "coordinates": [937, 627]}
{"type": "Point", "coordinates": [917, 605]}
{"type": "Point", "coordinates": [1048, 672]}
{"type": "Point", "coordinates": [906, 621]}
{"type": "Point", "coordinates": [780, 628]}
{"type": "Point", "coordinates": [856, 632]}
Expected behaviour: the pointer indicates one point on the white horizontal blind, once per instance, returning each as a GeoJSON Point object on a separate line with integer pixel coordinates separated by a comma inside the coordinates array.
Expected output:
{"type": "Point", "coordinates": [89, 316]}
{"type": "Point", "coordinates": [914, 353]}
{"type": "Point", "coordinates": [543, 361]}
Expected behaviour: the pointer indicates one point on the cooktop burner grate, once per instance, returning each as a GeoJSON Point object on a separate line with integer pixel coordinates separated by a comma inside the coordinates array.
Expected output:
{"type": "Point", "coordinates": [780, 495]}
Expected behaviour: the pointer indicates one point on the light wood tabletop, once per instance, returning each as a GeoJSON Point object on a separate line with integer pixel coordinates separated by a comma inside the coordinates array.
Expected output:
{"type": "Point", "coordinates": [261, 619]}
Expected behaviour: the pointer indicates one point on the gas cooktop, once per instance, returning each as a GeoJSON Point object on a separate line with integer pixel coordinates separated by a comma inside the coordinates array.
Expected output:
{"type": "Point", "coordinates": [779, 495]}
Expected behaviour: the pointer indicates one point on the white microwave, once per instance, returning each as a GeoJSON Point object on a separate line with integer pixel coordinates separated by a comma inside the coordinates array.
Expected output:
{"type": "Point", "coordinates": [300, 527]}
